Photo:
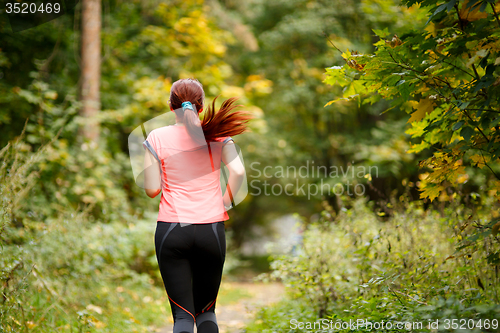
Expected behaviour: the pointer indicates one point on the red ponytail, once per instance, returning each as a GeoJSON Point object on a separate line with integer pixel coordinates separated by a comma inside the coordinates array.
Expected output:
{"type": "Point", "coordinates": [225, 122]}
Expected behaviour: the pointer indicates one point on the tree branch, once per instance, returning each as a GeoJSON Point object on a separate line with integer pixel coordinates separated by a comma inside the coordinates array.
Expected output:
{"type": "Point", "coordinates": [495, 13]}
{"type": "Point", "coordinates": [470, 118]}
{"type": "Point", "coordinates": [326, 36]}
{"type": "Point", "coordinates": [494, 173]}
{"type": "Point", "coordinates": [460, 23]}
{"type": "Point", "coordinates": [449, 63]}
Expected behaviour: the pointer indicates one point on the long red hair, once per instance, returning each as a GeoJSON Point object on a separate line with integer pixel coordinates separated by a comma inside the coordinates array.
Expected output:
{"type": "Point", "coordinates": [225, 122]}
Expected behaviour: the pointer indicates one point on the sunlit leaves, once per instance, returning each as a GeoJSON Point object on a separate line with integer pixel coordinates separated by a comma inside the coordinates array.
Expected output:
{"type": "Point", "coordinates": [448, 72]}
{"type": "Point", "coordinates": [445, 167]}
{"type": "Point", "coordinates": [472, 10]}
{"type": "Point", "coordinates": [430, 191]}
{"type": "Point", "coordinates": [480, 161]}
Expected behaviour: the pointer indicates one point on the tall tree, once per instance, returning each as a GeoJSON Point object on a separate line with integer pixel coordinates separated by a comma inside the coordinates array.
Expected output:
{"type": "Point", "coordinates": [91, 67]}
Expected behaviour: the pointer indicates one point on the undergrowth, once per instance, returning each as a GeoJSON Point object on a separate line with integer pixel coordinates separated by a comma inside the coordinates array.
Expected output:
{"type": "Point", "coordinates": [417, 266]}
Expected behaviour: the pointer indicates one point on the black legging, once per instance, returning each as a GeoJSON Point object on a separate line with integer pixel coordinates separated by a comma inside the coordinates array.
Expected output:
{"type": "Point", "coordinates": [191, 258]}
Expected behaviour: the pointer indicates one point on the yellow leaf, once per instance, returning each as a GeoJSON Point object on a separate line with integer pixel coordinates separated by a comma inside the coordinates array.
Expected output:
{"type": "Point", "coordinates": [413, 104]}
{"type": "Point", "coordinates": [417, 128]}
{"type": "Point", "coordinates": [431, 28]}
{"type": "Point", "coordinates": [462, 178]}
{"type": "Point", "coordinates": [346, 54]}
{"type": "Point", "coordinates": [472, 13]}
{"type": "Point", "coordinates": [479, 160]}
{"type": "Point", "coordinates": [495, 229]}
{"type": "Point", "coordinates": [424, 107]}
{"type": "Point", "coordinates": [417, 148]}
{"type": "Point", "coordinates": [331, 102]}
{"type": "Point", "coordinates": [431, 191]}
{"type": "Point", "coordinates": [423, 176]}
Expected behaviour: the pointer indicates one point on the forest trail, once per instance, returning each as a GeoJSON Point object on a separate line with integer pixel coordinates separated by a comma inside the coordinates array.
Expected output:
{"type": "Point", "coordinates": [238, 303]}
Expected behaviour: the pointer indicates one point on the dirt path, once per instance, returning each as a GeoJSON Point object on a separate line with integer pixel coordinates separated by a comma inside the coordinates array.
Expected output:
{"type": "Point", "coordinates": [238, 303]}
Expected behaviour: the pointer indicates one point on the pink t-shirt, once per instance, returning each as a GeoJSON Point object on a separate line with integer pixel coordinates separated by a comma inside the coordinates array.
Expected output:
{"type": "Point", "coordinates": [190, 176]}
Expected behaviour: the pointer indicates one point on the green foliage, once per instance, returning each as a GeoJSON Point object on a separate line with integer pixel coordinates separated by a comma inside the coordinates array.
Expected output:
{"type": "Point", "coordinates": [17, 178]}
{"type": "Point", "coordinates": [71, 173]}
{"type": "Point", "coordinates": [75, 274]}
{"type": "Point", "coordinates": [66, 272]}
{"type": "Point", "coordinates": [446, 75]}
{"type": "Point", "coordinates": [408, 269]}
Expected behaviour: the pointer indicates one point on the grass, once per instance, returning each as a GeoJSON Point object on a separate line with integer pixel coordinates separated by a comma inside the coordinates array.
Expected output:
{"type": "Point", "coordinates": [231, 292]}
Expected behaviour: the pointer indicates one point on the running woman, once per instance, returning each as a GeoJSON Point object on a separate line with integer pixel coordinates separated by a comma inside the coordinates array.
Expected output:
{"type": "Point", "coordinates": [183, 163]}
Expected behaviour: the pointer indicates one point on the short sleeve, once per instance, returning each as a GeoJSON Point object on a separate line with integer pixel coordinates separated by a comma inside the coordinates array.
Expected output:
{"type": "Point", "coordinates": [150, 144]}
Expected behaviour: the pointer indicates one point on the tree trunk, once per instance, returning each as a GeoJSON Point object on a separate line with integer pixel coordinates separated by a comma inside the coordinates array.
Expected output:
{"type": "Point", "coordinates": [91, 68]}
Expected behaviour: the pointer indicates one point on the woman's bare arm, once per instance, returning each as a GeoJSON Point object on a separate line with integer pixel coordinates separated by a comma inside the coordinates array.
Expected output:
{"type": "Point", "coordinates": [236, 169]}
{"type": "Point", "coordinates": [152, 177]}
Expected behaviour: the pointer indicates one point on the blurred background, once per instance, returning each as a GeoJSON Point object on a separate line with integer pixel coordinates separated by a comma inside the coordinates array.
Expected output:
{"type": "Point", "coordinates": [77, 233]}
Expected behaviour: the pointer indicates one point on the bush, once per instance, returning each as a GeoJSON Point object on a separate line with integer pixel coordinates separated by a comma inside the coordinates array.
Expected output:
{"type": "Point", "coordinates": [68, 272]}
{"type": "Point", "coordinates": [407, 269]}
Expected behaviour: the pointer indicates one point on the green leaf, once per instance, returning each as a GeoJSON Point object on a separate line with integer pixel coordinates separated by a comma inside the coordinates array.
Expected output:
{"type": "Point", "coordinates": [438, 10]}
{"type": "Point", "coordinates": [381, 33]}
{"type": "Point", "coordinates": [458, 125]}
{"type": "Point", "coordinates": [495, 122]}
{"type": "Point", "coordinates": [404, 89]}
{"type": "Point", "coordinates": [467, 132]}
{"type": "Point", "coordinates": [450, 5]}
{"type": "Point", "coordinates": [463, 105]}
{"type": "Point", "coordinates": [496, 153]}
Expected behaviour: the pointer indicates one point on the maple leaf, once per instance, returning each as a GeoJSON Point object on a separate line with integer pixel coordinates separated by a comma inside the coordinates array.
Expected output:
{"type": "Point", "coordinates": [431, 191]}
{"type": "Point", "coordinates": [417, 128]}
{"type": "Point", "coordinates": [471, 13]}
{"type": "Point", "coordinates": [417, 148]}
{"type": "Point", "coordinates": [424, 107]}
{"type": "Point", "coordinates": [479, 160]}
